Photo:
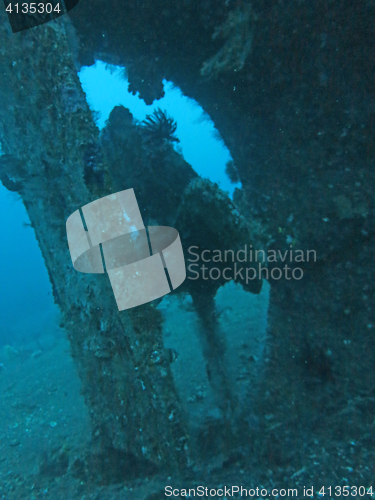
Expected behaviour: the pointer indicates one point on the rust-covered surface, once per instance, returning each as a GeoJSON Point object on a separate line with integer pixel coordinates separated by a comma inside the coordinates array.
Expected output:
{"type": "Point", "coordinates": [49, 136]}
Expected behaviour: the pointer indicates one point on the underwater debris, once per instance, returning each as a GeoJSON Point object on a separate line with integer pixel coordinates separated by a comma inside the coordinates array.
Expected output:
{"type": "Point", "coordinates": [237, 31]}
{"type": "Point", "coordinates": [159, 127]}
{"type": "Point", "coordinates": [36, 354]}
{"type": "Point", "coordinates": [170, 355]}
{"type": "Point", "coordinates": [10, 352]}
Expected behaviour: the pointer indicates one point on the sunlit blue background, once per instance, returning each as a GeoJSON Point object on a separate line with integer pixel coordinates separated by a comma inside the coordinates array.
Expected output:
{"type": "Point", "coordinates": [208, 156]}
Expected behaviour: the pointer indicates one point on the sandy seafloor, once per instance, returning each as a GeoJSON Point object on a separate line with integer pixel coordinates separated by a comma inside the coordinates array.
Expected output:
{"type": "Point", "coordinates": [44, 421]}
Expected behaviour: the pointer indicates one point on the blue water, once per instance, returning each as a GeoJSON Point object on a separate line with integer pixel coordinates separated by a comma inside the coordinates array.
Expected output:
{"type": "Point", "coordinates": [106, 88]}
{"type": "Point", "coordinates": [25, 292]}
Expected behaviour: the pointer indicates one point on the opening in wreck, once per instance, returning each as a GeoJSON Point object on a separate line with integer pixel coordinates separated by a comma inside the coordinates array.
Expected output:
{"type": "Point", "coordinates": [200, 144]}
{"type": "Point", "coordinates": [239, 316]}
